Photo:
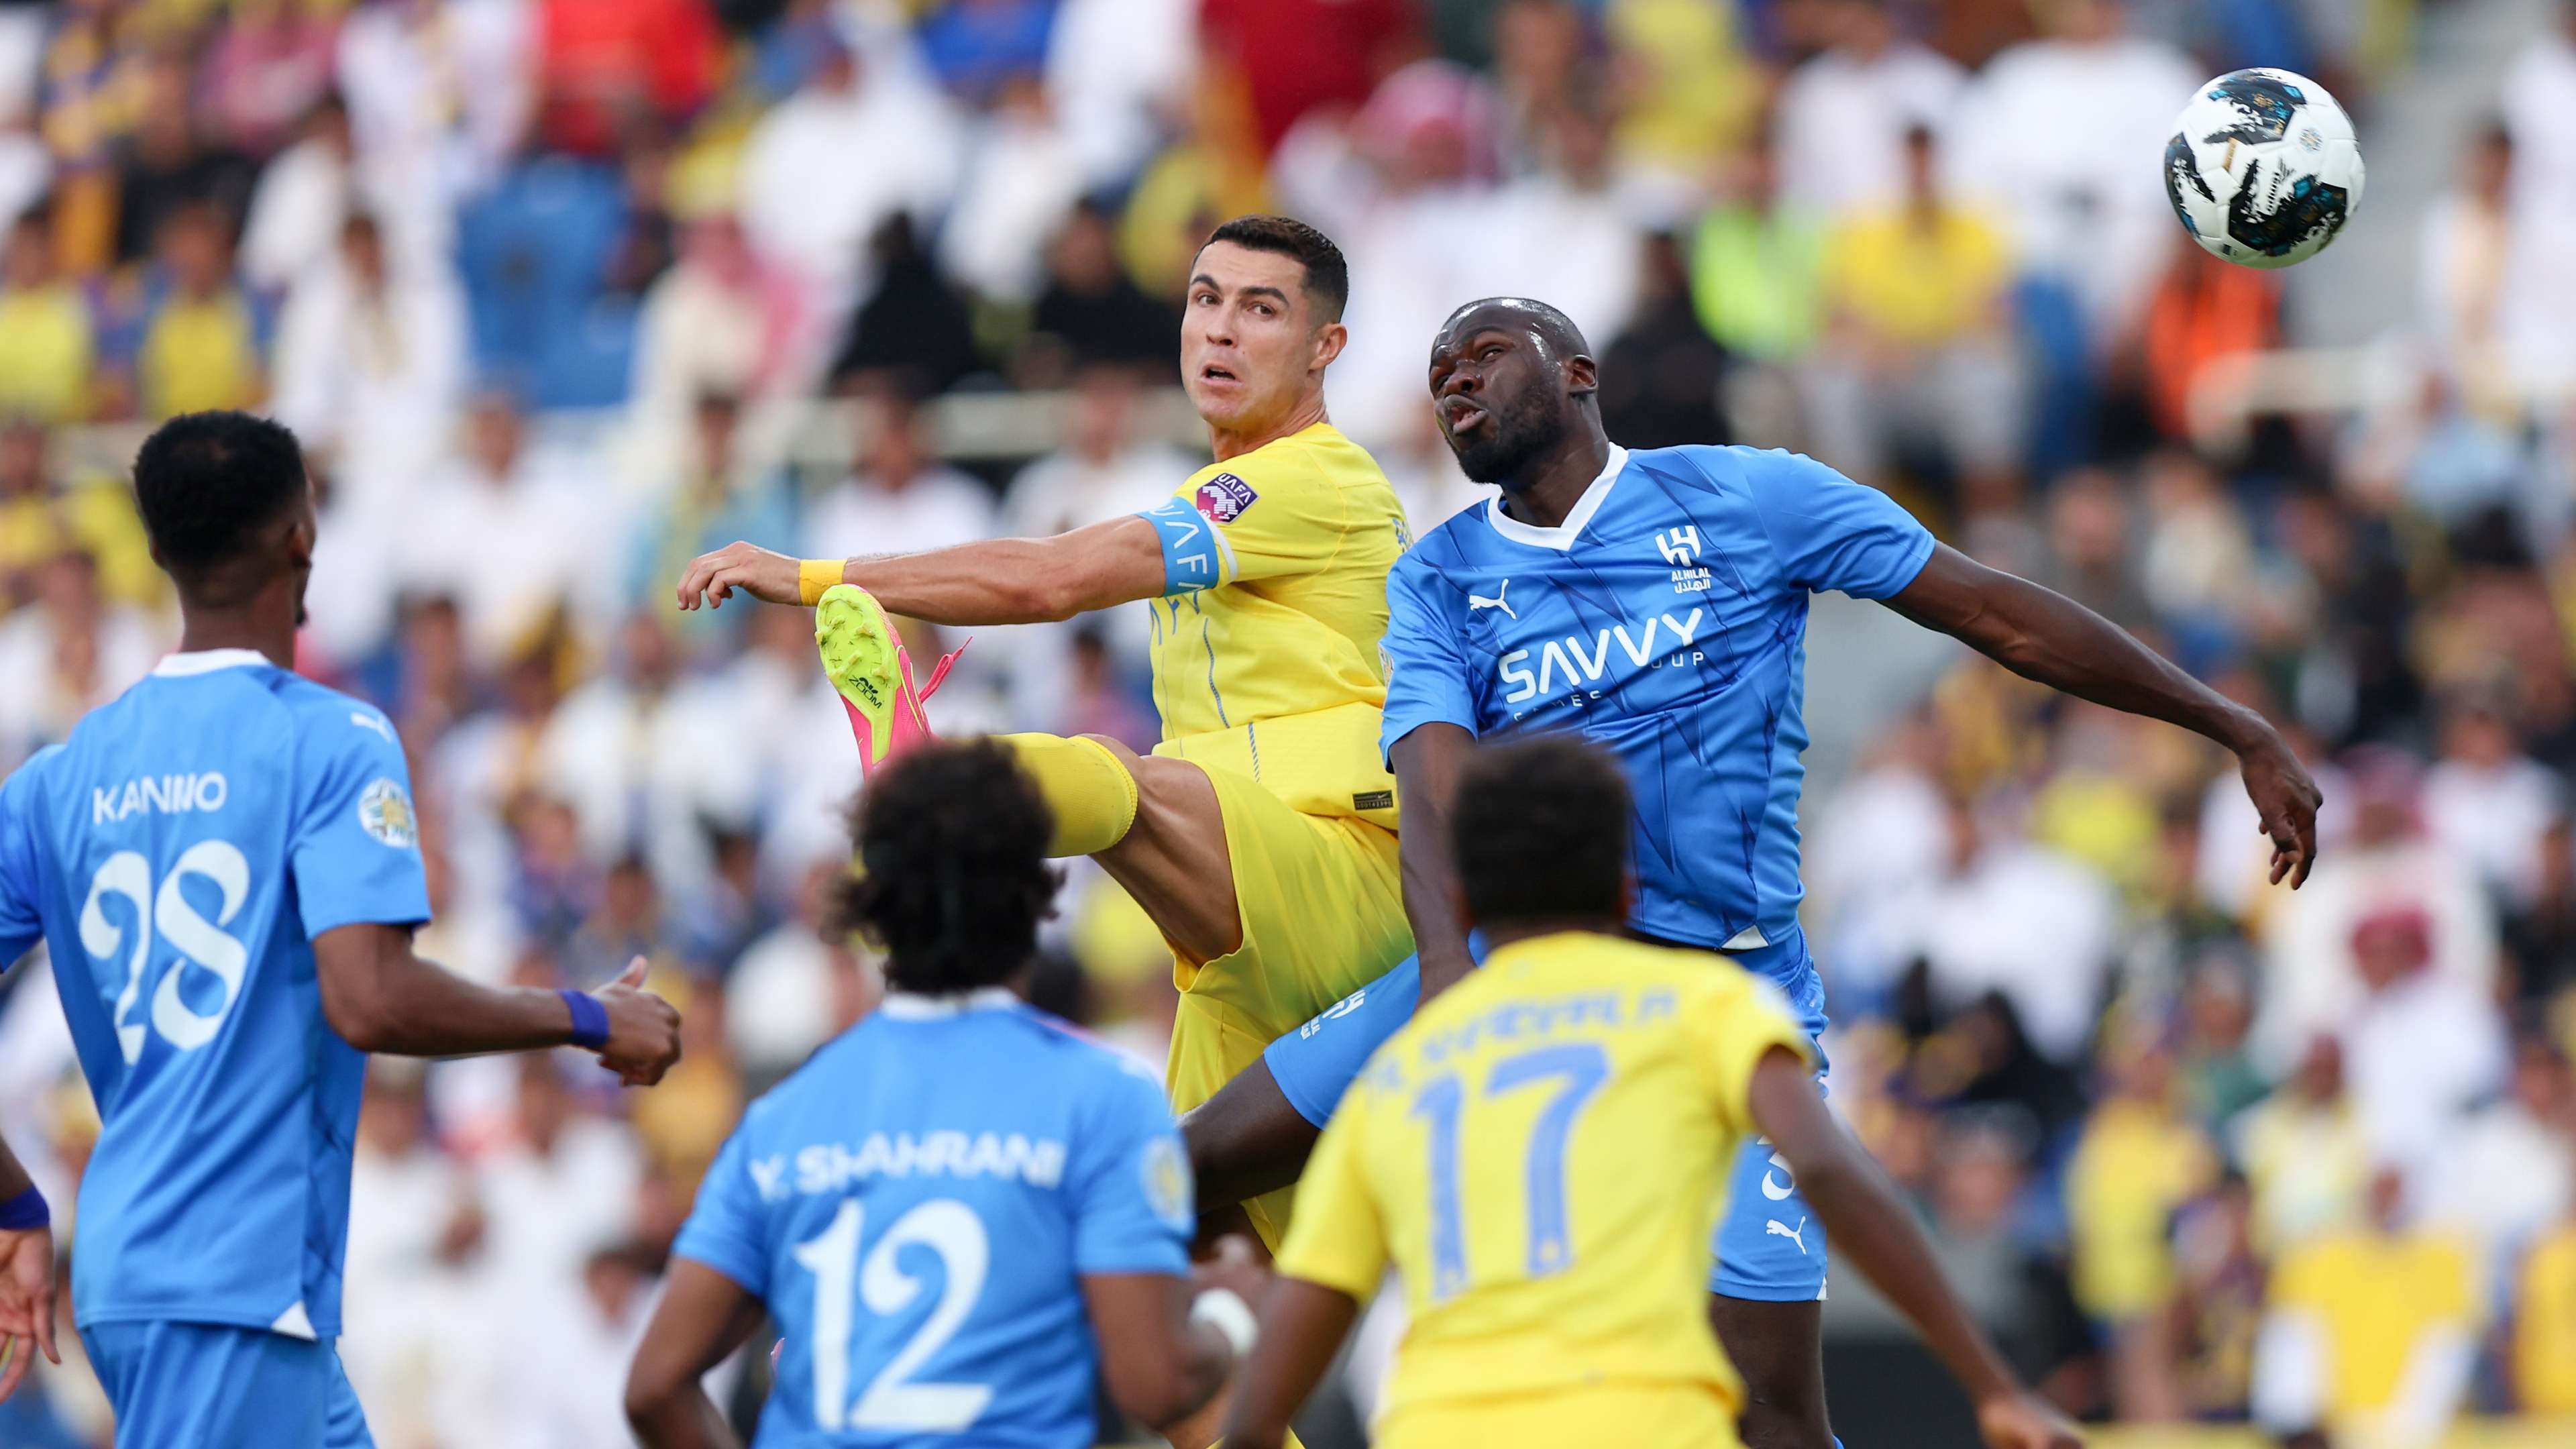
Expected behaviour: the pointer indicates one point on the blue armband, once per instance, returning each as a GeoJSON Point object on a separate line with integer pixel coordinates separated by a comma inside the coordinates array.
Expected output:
{"type": "Point", "coordinates": [589, 1019]}
{"type": "Point", "coordinates": [1194, 553]}
{"type": "Point", "coordinates": [25, 1211]}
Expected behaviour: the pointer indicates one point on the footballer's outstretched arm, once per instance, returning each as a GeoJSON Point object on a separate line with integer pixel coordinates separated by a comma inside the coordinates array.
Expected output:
{"type": "Point", "coordinates": [997, 581]}
{"type": "Point", "coordinates": [2043, 635]}
{"type": "Point", "coordinates": [1867, 1224]}
{"type": "Point", "coordinates": [1427, 761]}
{"type": "Point", "coordinates": [26, 1274]}
{"type": "Point", "coordinates": [703, 1317]}
{"type": "Point", "coordinates": [382, 997]}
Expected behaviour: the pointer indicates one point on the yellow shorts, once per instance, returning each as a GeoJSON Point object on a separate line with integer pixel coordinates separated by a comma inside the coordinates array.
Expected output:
{"type": "Point", "coordinates": [1630, 1416]}
{"type": "Point", "coordinates": [1322, 902]}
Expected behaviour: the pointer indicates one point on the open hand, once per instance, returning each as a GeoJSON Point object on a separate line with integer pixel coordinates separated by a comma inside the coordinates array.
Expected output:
{"type": "Point", "coordinates": [643, 1029]}
{"type": "Point", "coordinates": [767, 576]}
{"type": "Point", "coordinates": [2285, 798]}
{"type": "Point", "coordinates": [26, 1302]}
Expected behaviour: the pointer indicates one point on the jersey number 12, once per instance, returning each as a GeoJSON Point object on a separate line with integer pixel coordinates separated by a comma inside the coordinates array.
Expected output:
{"type": "Point", "coordinates": [945, 1226]}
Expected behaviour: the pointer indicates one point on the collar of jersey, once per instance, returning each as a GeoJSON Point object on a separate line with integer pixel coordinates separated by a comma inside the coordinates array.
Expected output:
{"type": "Point", "coordinates": [206, 661]}
{"type": "Point", "coordinates": [1562, 536]}
{"type": "Point", "coordinates": [918, 1006]}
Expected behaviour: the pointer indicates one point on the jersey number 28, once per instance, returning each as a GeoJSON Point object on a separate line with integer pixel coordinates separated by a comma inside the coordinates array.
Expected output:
{"type": "Point", "coordinates": [945, 1226]}
{"type": "Point", "coordinates": [128, 875]}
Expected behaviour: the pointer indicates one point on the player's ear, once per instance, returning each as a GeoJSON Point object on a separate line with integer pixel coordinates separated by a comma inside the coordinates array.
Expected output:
{"type": "Point", "coordinates": [1330, 339]}
{"type": "Point", "coordinates": [1582, 375]}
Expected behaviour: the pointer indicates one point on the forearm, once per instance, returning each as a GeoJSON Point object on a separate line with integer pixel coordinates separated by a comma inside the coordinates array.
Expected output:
{"type": "Point", "coordinates": [1869, 1226]}
{"type": "Point", "coordinates": [381, 997]}
{"type": "Point", "coordinates": [686, 1420]}
{"type": "Point", "coordinates": [997, 581]}
{"type": "Point", "coordinates": [2044, 636]}
{"type": "Point", "coordinates": [1427, 762]}
{"type": "Point", "coordinates": [1302, 1327]}
{"type": "Point", "coordinates": [1207, 1359]}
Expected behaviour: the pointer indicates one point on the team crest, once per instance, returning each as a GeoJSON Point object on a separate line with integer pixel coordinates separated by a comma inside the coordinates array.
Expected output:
{"type": "Point", "coordinates": [384, 812]}
{"type": "Point", "coordinates": [1223, 498]}
{"type": "Point", "coordinates": [1167, 1183]}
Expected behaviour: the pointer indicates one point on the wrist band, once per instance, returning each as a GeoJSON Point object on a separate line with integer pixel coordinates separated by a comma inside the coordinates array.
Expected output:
{"type": "Point", "coordinates": [26, 1210]}
{"type": "Point", "coordinates": [589, 1019]}
{"type": "Point", "coordinates": [815, 575]}
{"type": "Point", "coordinates": [1224, 1310]}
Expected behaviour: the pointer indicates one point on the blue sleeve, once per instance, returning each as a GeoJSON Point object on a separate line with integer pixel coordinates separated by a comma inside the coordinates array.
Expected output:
{"type": "Point", "coordinates": [355, 849]}
{"type": "Point", "coordinates": [1193, 551]}
{"type": "Point", "coordinates": [724, 1230]}
{"type": "Point", "coordinates": [1426, 678]}
{"type": "Point", "coordinates": [1831, 533]}
{"type": "Point", "coordinates": [1133, 1202]}
{"type": "Point", "coordinates": [21, 922]}
{"type": "Point", "coordinates": [1315, 1064]}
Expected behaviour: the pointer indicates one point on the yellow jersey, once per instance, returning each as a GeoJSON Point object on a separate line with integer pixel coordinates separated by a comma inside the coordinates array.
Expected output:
{"type": "Point", "coordinates": [2376, 1297]}
{"type": "Point", "coordinates": [1543, 1152]}
{"type": "Point", "coordinates": [1266, 639]}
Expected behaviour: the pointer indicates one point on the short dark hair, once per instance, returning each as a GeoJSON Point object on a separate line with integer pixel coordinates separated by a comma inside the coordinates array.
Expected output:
{"type": "Point", "coordinates": [1328, 277]}
{"type": "Point", "coordinates": [1540, 831]}
{"type": "Point", "coordinates": [206, 483]}
{"type": "Point", "coordinates": [953, 876]}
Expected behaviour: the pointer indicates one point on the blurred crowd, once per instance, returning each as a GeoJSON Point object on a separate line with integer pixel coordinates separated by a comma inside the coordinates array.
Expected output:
{"type": "Point", "coordinates": [562, 292]}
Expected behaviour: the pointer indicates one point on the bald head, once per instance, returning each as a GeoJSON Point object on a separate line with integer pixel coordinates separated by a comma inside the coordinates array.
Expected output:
{"type": "Point", "coordinates": [1551, 329]}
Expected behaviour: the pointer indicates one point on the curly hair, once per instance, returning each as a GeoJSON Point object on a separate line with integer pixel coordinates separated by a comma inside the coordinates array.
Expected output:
{"type": "Point", "coordinates": [953, 875]}
{"type": "Point", "coordinates": [1540, 830]}
{"type": "Point", "coordinates": [206, 483]}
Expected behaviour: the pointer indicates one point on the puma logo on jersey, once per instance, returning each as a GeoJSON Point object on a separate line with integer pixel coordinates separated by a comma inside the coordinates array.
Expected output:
{"type": "Point", "coordinates": [1477, 601]}
{"type": "Point", "coordinates": [376, 722]}
{"type": "Point", "coordinates": [1798, 1235]}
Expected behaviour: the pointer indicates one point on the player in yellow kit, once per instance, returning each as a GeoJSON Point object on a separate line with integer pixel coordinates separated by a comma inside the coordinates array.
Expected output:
{"type": "Point", "coordinates": [1543, 1154]}
{"type": "Point", "coordinates": [1260, 835]}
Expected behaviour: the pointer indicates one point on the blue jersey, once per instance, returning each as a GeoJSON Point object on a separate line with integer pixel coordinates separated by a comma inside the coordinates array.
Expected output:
{"type": "Point", "coordinates": [917, 1206]}
{"type": "Point", "coordinates": [179, 853]}
{"type": "Point", "coordinates": [1666, 619]}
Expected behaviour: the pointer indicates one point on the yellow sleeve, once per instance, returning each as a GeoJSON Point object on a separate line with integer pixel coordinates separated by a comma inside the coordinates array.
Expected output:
{"type": "Point", "coordinates": [1338, 1237]}
{"type": "Point", "coordinates": [1272, 516]}
{"type": "Point", "coordinates": [2299, 1279]}
{"type": "Point", "coordinates": [1732, 1025]}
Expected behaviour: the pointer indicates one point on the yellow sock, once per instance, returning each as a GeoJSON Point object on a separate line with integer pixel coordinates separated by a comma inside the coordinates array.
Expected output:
{"type": "Point", "coordinates": [1087, 788]}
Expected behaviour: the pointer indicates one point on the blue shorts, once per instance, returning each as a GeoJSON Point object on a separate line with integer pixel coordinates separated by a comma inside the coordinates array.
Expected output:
{"type": "Point", "coordinates": [214, 1386]}
{"type": "Point", "coordinates": [1769, 1247]}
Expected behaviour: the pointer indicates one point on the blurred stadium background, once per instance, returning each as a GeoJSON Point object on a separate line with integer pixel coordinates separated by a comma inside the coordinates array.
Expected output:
{"type": "Point", "coordinates": [561, 292]}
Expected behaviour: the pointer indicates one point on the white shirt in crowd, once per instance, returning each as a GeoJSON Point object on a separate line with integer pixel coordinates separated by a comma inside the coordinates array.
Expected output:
{"type": "Point", "coordinates": [496, 545]}
{"type": "Point", "coordinates": [803, 201]}
{"type": "Point", "coordinates": [2312, 985]}
{"type": "Point", "coordinates": [1115, 69]}
{"type": "Point", "coordinates": [1842, 121]}
{"type": "Point", "coordinates": [936, 508]}
{"type": "Point", "coordinates": [2494, 819]}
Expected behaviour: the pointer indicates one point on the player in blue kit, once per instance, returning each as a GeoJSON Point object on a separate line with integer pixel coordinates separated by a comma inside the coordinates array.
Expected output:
{"type": "Point", "coordinates": [224, 864]}
{"type": "Point", "coordinates": [959, 1210]}
{"type": "Point", "coordinates": [1656, 601]}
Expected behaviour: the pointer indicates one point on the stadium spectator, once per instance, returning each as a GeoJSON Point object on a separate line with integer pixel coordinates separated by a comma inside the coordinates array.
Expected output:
{"type": "Point", "coordinates": [47, 340]}
{"type": "Point", "coordinates": [1565, 230]}
{"type": "Point", "coordinates": [268, 63]}
{"type": "Point", "coordinates": [2387, 873]}
{"type": "Point", "coordinates": [2419, 1047]}
{"type": "Point", "coordinates": [166, 168]}
{"type": "Point", "coordinates": [1757, 286]}
{"type": "Point", "coordinates": [2199, 1356]}
{"type": "Point", "coordinates": [1918, 343]}
{"type": "Point", "coordinates": [2466, 245]}
{"type": "Point", "coordinates": [1090, 310]}
{"type": "Point", "coordinates": [198, 341]}
{"type": "Point", "coordinates": [2305, 1152]}
{"type": "Point", "coordinates": [370, 364]}
{"type": "Point", "coordinates": [978, 48]}
{"type": "Point", "coordinates": [2544, 1330]}
{"type": "Point", "coordinates": [796, 987]}
{"type": "Point", "coordinates": [562, 1187]}
{"type": "Point", "coordinates": [2139, 1160]}
{"type": "Point", "coordinates": [1022, 179]}
{"type": "Point", "coordinates": [67, 653]}
{"type": "Point", "coordinates": [2507, 1173]}
{"type": "Point", "coordinates": [722, 320]}
{"type": "Point", "coordinates": [898, 498]}
{"type": "Point", "coordinates": [2028, 131]}
{"type": "Point", "coordinates": [1120, 72]}
{"type": "Point", "coordinates": [805, 207]}
{"type": "Point", "coordinates": [1290, 57]}
{"type": "Point", "coordinates": [917, 334]}
{"type": "Point", "coordinates": [1664, 377]}
{"type": "Point", "coordinates": [2371, 1329]}
{"type": "Point", "coordinates": [486, 531]}
{"type": "Point", "coordinates": [1845, 114]}
{"type": "Point", "coordinates": [2488, 803]}
{"type": "Point", "coordinates": [709, 493]}
{"type": "Point", "coordinates": [608, 69]}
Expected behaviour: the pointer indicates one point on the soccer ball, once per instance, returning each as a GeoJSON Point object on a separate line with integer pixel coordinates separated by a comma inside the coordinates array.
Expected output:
{"type": "Point", "coordinates": [2263, 168]}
